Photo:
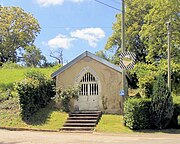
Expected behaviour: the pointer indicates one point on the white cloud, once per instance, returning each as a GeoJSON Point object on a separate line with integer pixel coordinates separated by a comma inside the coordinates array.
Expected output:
{"type": "Point", "coordinates": [76, 1]}
{"type": "Point", "coordinates": [92, 35]}
{"type": "Point", "coordinates": [60, 41]}
{"type": "Point", "coordinates": [46, 3]}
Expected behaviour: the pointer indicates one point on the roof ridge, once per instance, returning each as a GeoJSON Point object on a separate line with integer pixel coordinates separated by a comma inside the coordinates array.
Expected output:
{"type": "Point", "coordinates": [84, 54]}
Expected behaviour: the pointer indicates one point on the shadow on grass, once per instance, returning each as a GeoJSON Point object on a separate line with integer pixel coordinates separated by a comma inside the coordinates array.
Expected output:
{"type": "Point", "coordinates": [5, 87]}
{"type": "Point", "coordinates": [41, 117]}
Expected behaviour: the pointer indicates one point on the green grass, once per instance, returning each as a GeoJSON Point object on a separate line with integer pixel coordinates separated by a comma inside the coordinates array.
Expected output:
{"type": "Point", "coordinates": [9, 76]}
{"type": "Point", "coordinates": [50, 118]}
{"type": "Point", "coordinates": [112, 124]}
{"type": "Point", "coordinates": [47, 118]}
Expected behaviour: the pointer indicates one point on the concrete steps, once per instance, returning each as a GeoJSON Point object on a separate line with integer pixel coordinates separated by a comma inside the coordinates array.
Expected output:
{"type": "Point", "coordinates": [82, 121]}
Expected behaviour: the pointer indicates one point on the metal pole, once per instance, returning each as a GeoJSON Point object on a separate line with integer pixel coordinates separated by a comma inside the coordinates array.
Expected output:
{"type": "Point", "coordinates": [169, 55]}
{"type": "Point", "coordinates": [123, 50]}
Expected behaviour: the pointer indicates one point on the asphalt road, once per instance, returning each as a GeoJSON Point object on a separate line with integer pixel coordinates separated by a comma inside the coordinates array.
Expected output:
{"type": "Point", "coordinates": [30, 137]}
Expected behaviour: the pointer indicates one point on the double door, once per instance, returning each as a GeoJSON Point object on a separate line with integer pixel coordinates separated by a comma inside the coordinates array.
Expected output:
{"type": "Point", "coordinates": [88, 95]}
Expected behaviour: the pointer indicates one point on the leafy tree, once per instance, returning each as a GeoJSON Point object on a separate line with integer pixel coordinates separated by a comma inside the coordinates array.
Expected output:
{"type": "Point", "coordinates": [135, 12]}
{"type": "Point", "coordinates": [145, 74]}
{"type": "Point", "coordinates": [111, 58]}
{"type": "Point", "coordinates": [154, 30]}
{"type": "Point", "coordinates": [51, 64]}
{"type": "Point", "coordinates": [33, 56]}
{"type": "Point", "coordinates": [146, 32]}
{"type": "Point", "coordinates": [18, 29]}
{"type": "Point", "coordinates": [102, 54]}
{"type": "Point", "coordinates": [162, 104]}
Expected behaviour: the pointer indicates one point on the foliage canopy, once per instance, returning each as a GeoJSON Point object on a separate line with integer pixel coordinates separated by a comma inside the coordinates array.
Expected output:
{"type": "Point", "coordinates": [146, 30]}
{"type": "Point", "coordinates": [18, 29]}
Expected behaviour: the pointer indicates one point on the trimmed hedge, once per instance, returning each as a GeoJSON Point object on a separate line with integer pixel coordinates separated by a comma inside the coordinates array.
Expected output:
{"type": "Point", "coordinates": [35, 92]}
{"type": "Point", "coordinates": [176, 113]}
{"type": "Point", "coordinates": [137, 113]}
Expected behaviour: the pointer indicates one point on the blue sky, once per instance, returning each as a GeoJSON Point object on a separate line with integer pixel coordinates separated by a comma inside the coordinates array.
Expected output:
{"type": "Point", "coordinates": [72, 25]}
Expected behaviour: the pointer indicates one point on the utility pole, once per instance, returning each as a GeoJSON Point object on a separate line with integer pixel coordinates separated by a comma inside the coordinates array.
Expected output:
{"type": "Point", "coordinates": [123, 27]}
{"type": "Point", "coordinates": [123, 50]}
{"type": "Point", "coordinates": [169, 54]}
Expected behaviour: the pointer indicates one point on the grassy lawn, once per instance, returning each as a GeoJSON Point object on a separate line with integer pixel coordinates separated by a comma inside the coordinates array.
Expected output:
{"type": "Point", "coordinates": [51, 118]}
{"type": "Point", "coordinates": [112, 124]}
{"type": "Point", "coordinates": [47, 118]}
{"type": "Point", "coordinates": [9, 76]}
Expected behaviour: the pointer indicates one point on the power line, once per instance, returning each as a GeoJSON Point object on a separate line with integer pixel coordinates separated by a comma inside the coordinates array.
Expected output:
{"type": "Point", "coordinates": [107, 5]}
{"type": "Point", "coordinates": [111, 7]}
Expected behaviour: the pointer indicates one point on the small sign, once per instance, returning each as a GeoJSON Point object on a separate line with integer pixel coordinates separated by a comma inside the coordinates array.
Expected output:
{"type": "Point", "coordinates": [121, 93]}
{"type": "Point", "coordinates": [127, 60]}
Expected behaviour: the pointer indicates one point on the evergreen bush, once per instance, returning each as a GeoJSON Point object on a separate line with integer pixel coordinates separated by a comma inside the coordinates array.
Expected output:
{"type": "Point", "coordinates": [161, 103]}
{"type": "Point", "coordinates": [176, 113]}
{"type": "Point", "coordinates": [137, 113]}
{"type": "Point", "coordinates": [35, 92]}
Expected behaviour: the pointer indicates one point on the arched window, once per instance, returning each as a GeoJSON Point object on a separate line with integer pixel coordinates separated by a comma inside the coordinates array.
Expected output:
{"type": "Point", "coordinates": [88, 85]}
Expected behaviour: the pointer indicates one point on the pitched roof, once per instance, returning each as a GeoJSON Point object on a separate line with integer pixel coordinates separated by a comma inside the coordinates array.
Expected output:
{"type": "Point", "coordinates": [85, 54]}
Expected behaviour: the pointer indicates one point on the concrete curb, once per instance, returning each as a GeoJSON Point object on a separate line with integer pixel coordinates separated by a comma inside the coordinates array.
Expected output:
{"type": "Point", "coordinates": [27, 129]}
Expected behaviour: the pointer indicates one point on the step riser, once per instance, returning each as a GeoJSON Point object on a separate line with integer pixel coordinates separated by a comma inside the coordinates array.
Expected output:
{"type": "Point", "coordinates": [86, 112]}
{"type": "Point", "coordinates": [78, 129]}
{"type": "Point", "coordinates": [84, 115]}
{"type": "Point", "coordinates": [77, 125]}
{"type": "Point", "coordinates": [74, 126]}
{"type": "Point", "coordinates": [82, 121]}
{"type": "Point", "coordinates": [82, 118]}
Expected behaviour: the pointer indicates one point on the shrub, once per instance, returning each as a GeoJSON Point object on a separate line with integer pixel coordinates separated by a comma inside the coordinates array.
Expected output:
{"type": "Point", "coordinates": [161, 103]}
{"type": "Point", "coordinates": [137, 113]}
{"type": "Point", "coordinates": [175, 75]}
{"type": "Point", "coordinates": [5, 95]}
{"type": "Point", "coordinates": [65, 95]}
{"type": "Point", "coordinates": [176, 101]}
{"type": "Point", "coordinates": [174, 120]}
{"type": "Point", "coordinates": [35, 75]}
{"type": "Point", "coordinates": [35, 92]}
{"type": "Point", "coordinates": [145, 74]}
{"type": "Point", "coordinates": [176, 113]}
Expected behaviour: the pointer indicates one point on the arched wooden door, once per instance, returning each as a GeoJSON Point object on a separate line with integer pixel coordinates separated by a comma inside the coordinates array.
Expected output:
{"type": "Point", "coordinates": [89, 91]}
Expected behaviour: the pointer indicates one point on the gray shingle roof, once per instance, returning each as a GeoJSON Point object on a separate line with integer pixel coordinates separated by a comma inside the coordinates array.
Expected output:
{"type": "Point", "coordinates": [88, 54]}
